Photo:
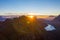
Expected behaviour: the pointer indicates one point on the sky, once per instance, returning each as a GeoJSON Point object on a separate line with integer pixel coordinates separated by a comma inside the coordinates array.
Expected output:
{"type": "Point", "coordinates": [35, 7]}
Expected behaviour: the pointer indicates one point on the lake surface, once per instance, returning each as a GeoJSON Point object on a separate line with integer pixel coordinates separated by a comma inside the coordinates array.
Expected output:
{"type": "Point", "coordinates": [50, 28]}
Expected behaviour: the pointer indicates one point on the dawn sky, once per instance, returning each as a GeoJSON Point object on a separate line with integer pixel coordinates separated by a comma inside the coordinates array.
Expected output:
{"type": "Point", "coordinates": [44, 7]}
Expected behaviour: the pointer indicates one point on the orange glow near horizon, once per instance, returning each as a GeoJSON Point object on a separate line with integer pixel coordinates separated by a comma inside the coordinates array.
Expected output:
{"type": "Point", "coordinates": [42, 16]}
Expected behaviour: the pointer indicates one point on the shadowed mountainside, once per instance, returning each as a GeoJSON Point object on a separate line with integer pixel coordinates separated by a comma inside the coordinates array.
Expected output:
{"type": "Point", "coordinates": [24, 28]}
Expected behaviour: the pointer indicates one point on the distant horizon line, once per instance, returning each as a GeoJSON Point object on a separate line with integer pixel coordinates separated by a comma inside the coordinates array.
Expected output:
{"type": "Point", "coordinates": [30, 13]}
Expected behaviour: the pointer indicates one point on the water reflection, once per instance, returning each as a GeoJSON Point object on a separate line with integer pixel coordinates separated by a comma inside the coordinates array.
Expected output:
{"type": "Point", "coordinates": [50, 28]}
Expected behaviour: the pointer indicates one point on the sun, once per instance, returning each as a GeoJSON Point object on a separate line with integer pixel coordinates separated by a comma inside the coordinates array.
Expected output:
{"type": "Point", "coordinates": [30, 19]}
{"type": "Point", "coordinates": [31, 16]}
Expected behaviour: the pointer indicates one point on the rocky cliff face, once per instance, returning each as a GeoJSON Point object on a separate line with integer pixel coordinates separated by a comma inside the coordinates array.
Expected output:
{"type": "Point", "coordinates": [57, 19]}
{"type": "Point", "coordinates": [56, 22]}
